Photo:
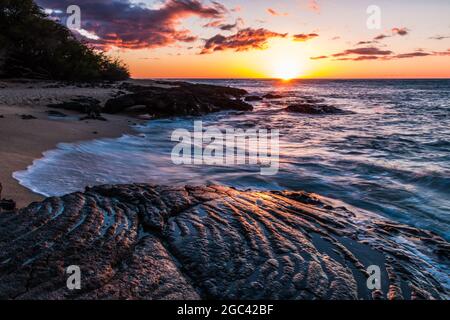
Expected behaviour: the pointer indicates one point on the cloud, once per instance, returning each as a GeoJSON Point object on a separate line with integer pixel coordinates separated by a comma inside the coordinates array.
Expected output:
{"type": "Point", "coordinates": [372, 53]}
{"type": "Point", "coordinates": [394, 31]}
{"type": "Point", "coordinates": [222, 25]}
{"type": "Point", "coordinates": [243, 40]}
{"type": "Point", "coordinates": [88, 34]}
{"type": "Point", "coordinates": [273, 12]}
{"type": "Point", "coordinates": [229, 27]}
{"type": "Point", "coordinates": [214, 23]}
{"type": "Point", "coordinates": [400, 31]}
{"type": "Point", "coordinates": [365, 42]}
{"type": "Point", "coordinates": [319, 57]}
{"type": "Point", "coordinates": [313, 6]}
{"type": "Point", "coordinates": [304, 36]}
{"type": "Point", "coordinates": [442, 53]}
{"type": "Point", "coordinates": [420, 53]}
{"type": "Point", "coordinates": [360, 58]}
{"type": "Point", "coordinates": [439, 37]}
{"type": "Point", "coordinates": [367, 51]}
{"type": "Point", "coordinates": [381, 37]}
{"type": "Point", "coordinates": [411, 55]}
{"type": "Point", "coordinates": [358, 54]}
{"type": "Point", "coordinates": [126, 24]}
{"type": "Point", "coordinates": [236, 9]}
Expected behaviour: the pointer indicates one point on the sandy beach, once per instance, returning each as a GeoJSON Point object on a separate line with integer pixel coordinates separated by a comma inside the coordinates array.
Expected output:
{"type": "Point", "coordinates": [24, 140]}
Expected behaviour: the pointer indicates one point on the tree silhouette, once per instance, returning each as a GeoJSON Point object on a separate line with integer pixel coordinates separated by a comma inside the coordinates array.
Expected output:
{"type": "Point", "coordinates": [34, 46]}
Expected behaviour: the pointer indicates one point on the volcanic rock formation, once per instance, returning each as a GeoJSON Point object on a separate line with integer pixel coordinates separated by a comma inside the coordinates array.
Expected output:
{"type": "Point", "coordinates": [317, 109]}
{"type": "Point", "coordinates": [5, 204]}
{"type": "Point", "coordinates": [152, 242]}
{"type": "Point", "coordinates": [177, 99]}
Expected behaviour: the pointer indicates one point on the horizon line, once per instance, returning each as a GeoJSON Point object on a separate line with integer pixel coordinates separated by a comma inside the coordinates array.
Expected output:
{"type": "Point", "coordinates": [283, 80]}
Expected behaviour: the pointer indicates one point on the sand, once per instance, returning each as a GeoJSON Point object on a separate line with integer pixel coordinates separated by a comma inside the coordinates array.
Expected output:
{"type": "Point", "coordinates": [22, 141]}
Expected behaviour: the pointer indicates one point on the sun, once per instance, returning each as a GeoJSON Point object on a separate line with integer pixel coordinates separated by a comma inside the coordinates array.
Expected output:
{"type": "Point", "coordinates": [285, 60]}
{"type": "Point", "coordinates": [286, 69]}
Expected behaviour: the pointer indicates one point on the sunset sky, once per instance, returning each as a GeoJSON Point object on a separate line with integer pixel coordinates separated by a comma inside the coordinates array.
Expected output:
{"type": "Point", "coordinates": [266, 39]}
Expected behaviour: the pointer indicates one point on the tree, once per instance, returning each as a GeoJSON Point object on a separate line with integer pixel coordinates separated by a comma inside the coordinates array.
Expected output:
{"type": "Point", "coordinates": [33, 46]}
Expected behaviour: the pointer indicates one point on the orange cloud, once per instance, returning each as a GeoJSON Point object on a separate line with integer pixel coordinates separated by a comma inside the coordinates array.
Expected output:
{"type": "Point", "coordinates": [400, 31]}
{"type": "Point", "coordinates": [367, 51]}
{"type": "Point", "coordinates": [273, 12]}
{"type": "Point", "coordinates": [128, 25]}
{"type": "Point", "coordinates": [243, 40]}
{"type": "Point", "coordinates": [319, 57]}
{"type": "Point", "coordinates": [301, 37]}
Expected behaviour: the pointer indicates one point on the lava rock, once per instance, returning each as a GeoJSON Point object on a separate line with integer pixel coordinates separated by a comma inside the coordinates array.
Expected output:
{"type": "Point", "coordinates": [177, 99]}
{"type": "Point", "coordinates": [81, 105]}
{"type": "Point", "coordinates": [6, 205]}
{"type": "Point", "coordinates": [159, 242]}
{"type": "Point", "coordinates": [253, 98]}
{"type": "Point", "coordinates": [308, 108]}
{"type": "Point", "coordinates": [86, 105]}
{"type": "Point", "coordinates": [27, 117]}
{"type": "Point", "coordinates": [270, 96]}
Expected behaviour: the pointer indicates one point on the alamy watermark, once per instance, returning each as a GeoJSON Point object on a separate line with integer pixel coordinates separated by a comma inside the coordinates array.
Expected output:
{"type": "Point", "coordinates": [374, 278]}
{"type": "Point", "coordinates": [374, 20]}
{"type": "Point", "coordinates": [74, 19]}
{"type": "Point", "coordinates": [227, 148]}
{"type": "Point", "coordinates": [74, 280]}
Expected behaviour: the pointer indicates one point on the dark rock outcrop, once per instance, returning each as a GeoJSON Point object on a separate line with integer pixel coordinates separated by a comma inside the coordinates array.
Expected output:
{"type": "Point", "coordinates": [178, 99]}
{"type": "Point", "coordinates": [309, 108]}
{"type": "Point", "coordinates": [270, 96]}
{"type": "Point", "coordinates": [149, 242]}
{"type": "Point", "coordinates": [85, 105]}
{"type": "Point", "coordinates": [253, 98]}
{"type": "Point", "coordinates": [6, 205]}
{"type": "Point", "coordinates": [27, 117]}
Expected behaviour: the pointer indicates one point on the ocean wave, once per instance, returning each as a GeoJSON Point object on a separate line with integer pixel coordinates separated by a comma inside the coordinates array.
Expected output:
{"type": "Point", "coordinates": [390, 157]}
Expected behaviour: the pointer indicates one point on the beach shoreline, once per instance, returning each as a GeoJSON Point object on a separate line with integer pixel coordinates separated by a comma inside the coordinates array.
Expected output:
{"type": "Point", "coordinates": [24, 140]}
{"type": "Point", "coordinates": [35, 116]}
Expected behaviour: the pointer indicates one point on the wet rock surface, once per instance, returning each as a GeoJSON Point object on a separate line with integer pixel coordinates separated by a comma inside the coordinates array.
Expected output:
{"type": "Point", "coordinates": [313, 108]}
{"type": "Point", "coordinates": [253, 98]}
{"type": "Point", "coordinates": [177, 99]}
{"type": "Point", "coordinates": [154, 242]}
{"type": "Point", "coordinates": [271, 96]}
{"type": "Point", "coordinates": [84, 105]}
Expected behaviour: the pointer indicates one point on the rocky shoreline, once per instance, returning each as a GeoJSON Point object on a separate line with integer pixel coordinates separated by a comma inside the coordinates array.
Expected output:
{"type": "Point", "coordinates": [206, 242]}
{"type": "Point", "coordinates": [160, 99]}
{"type": "Point", "coordinates": [212, 242]}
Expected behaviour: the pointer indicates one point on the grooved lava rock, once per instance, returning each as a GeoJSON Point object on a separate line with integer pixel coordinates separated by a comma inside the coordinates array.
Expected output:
{"type": "Point", "coordinates": [154, 242]}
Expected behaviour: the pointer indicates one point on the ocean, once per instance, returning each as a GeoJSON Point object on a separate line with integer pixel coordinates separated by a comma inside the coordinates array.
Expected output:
{"type": "Point", "coordinates": [389, 156]}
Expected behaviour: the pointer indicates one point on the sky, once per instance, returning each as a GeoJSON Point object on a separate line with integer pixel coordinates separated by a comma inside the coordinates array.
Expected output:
{"type": "Point", "coordinates": [268, 39]}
